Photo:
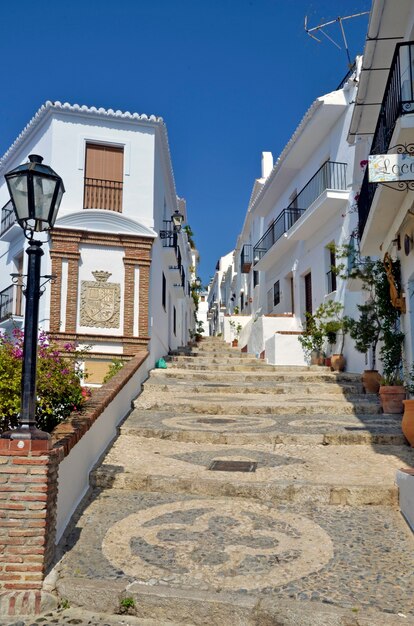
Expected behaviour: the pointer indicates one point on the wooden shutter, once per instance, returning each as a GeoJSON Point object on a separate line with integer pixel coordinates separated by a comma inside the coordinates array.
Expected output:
{"type": "Point", "coordinates": [104, 169]}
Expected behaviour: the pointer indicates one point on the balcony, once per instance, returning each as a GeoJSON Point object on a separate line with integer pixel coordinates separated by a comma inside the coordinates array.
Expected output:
{"type": "Point", "coordinates": [168, 236]}
{"type": "Point", "coordinates": [246, 258]}
{"type": "Point", "coordinates": [8, 218]}
{"type": "Point", "coordinates": [11, 302]}
{"type": "Point", "coordinates": [103, 194]}
{"type": "Point", "coordinates": [398, 100]}
{"type": "Point", "coordinates": [330, 177]}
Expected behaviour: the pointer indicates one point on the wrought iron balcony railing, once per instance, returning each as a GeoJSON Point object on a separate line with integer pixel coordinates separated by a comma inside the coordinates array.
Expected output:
{"type": "Point", "coordinates": [330, 176]}
{"type": "Point", "coordinates": [398, 100]}
{"type": "Point", "coordinates": [103, 194]}
{"type": "Point", "coordinates": [246, 258]}
{"type": "Point", "coordinates": [168, 236]}
{"type": "Point", "coordinates": [8, 217]}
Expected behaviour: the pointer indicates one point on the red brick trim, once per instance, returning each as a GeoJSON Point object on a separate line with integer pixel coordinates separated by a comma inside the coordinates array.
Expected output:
{"type": "Point", "coordinates": [289, 332]}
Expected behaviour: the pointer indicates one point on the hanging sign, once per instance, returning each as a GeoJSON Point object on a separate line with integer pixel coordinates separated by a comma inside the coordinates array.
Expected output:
{"type": "Point", "coordinates": [390, 168]}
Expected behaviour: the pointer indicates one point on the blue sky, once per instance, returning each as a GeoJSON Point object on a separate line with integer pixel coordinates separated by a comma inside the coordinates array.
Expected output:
{"type": "Point", "coordinates": [230, 78]}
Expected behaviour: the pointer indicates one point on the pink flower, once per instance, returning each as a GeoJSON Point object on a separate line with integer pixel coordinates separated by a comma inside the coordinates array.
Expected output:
{"type": "Point", "coordinates": [363, 163]}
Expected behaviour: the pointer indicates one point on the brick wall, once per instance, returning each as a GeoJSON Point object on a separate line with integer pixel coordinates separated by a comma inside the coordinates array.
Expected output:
{"type": "Point", "coordinates": [28, 491]}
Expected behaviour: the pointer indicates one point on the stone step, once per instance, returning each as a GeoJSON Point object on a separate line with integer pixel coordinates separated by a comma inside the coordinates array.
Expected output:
{"type": "Point", "coordinates": [159, 605]}
{"type": "Point", "coordinates": [236, 367]}
{"type": "Point", "coordinates": [216, 360]}
{"type": "Point", "coordinates": [247, 405]}
{"type": "Point", "coordinates": [225, 429]}
{"type": "Point", "coordinates": [284, 473]}
{"type": "Point", "coordinates": [278, 376]}
{"type": "Point", "coordinates": [172, 385]}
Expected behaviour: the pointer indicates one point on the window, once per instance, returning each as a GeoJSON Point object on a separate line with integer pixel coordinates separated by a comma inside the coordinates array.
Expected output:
{"type": "Point", "coordinates": [175, 321]}
{"type": "Point", "coordinates": [241, 301]}
{"type": "Point", "coordinates": [276, 293]}
{"type": "Point", "coordinates": [164, 291]}
{"type": "Point", "coordinates": [331, 274]}
{"type": "Point", "coordinates": [255, 278]}
{"type": "Point", "coordinates": [104, 174]}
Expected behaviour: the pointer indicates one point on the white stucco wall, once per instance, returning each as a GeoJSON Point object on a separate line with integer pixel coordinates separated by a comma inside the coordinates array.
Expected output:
{"type": "Point", "coordinates": [74, 470]}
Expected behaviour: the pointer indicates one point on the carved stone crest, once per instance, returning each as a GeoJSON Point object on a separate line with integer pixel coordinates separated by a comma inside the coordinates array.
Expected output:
{"type": "Point", "coordinates": [100, 302]}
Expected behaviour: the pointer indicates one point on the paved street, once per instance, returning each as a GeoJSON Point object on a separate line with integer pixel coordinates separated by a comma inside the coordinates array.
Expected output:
{"type": "Point", "coordinates": [313, 524]}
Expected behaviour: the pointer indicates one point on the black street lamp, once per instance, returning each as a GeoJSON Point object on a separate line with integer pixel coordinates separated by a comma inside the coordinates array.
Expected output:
{"type": "Point", "coordinates": [36, 192]}
{"type": "Point", "coordinates": [177, 219]}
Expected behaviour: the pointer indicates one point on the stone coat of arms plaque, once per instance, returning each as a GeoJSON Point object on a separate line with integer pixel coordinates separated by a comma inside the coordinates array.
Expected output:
{"type": "Point", "coordinates": [100, 302]}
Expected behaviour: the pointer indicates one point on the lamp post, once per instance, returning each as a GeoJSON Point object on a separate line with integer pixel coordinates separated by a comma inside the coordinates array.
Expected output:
{"type": "Point", "coordinates": [36, 192]}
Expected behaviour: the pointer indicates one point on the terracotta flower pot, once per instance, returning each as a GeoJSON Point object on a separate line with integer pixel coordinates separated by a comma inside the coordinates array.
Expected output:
{"type": "Point", "coordinates": [371, 381]}
{"type": "Point", "coordinates": [338, 362]}
{"type": "Point", "coordinates": [328, 361]}
{"type": "Point", "coordinates": [317, 358]}
{"type": "Point", "coordinates": [392, 398]}
{"type": "Point", "coordinates": [235, 343]}
{"type": "Point", "coordinates": [407, 423]}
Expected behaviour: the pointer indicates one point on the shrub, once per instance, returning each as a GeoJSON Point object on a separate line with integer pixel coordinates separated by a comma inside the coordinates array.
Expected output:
{"type": "Point", "coordinates": [59, 391]}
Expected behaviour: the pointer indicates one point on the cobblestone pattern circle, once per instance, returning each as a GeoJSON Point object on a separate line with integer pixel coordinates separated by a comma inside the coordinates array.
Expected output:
{"type": "Point", "coordinates": [228, 545]}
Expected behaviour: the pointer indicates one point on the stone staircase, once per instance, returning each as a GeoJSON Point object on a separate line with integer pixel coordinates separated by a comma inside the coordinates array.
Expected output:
{"type": "Point", "coordinates": [237, 487]}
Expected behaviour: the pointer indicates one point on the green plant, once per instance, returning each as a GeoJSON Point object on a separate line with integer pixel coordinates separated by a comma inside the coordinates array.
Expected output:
{"type": "Point", "coordinates": [64, 604]}
{"type": "Point", "coordinates": [323, 325]}
{"type": "Point", "coordinates": [59, 374]}
{"type": "Point", "coordinates": [127, 605]}
{"type": "Point", "coordinates": [114, 368]}
{"type": "Point", "coordinates": [190, 236]}
{"type": "Point", "coordinates": [236, 310]}
{"type": "Point", "coordinates": [379, 320]}
{"type": "Point", "coordinates": [236, 328]}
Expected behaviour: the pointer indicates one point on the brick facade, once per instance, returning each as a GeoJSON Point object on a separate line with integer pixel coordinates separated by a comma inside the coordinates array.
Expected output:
{"type": "Point", "coordinates": [65, 245]}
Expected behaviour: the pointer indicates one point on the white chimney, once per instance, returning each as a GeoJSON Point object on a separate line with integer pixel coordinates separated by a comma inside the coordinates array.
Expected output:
{"type": "Point", "coordinates": [267, 164]}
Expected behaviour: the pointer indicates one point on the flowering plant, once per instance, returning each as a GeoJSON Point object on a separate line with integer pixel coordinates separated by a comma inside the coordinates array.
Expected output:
{"type": "Point", "coordinates": [59, 390]}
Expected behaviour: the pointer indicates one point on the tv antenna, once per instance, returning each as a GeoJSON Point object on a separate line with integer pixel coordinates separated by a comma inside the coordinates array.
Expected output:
{"type": "Point", "coordinates": [338, 20]}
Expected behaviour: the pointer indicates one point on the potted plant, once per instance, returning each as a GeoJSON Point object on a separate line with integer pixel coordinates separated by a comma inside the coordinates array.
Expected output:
{"type": "Point", "coordinates": [333, 322]}
{"type": "Point", "coordinates": [312, 341]}
{"type": "Point", "coordinates": [236, 329]}
{"type": "Point", "coordinates": [407, 424]}
{"type": "Point", "coordinates": [323, 326]}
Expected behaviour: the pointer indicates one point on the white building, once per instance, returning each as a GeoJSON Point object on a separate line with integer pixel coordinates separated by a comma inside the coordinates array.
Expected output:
{"type": "Point", "coordinates": [382, 123]}
{"type": "Point", "coordinates": [123, 275]}
{"type": "Point", "coordinates": [220, 294]}
{"type": "Point", "coordinates": [300, 205]}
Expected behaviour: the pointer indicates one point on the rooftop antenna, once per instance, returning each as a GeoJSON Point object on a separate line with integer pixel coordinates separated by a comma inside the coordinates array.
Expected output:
{"type": "Point", "coordinates": [338, 20]}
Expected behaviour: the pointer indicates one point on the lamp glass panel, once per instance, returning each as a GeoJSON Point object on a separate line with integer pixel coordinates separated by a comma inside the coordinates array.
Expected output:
{"type": "Point", "coordinates": [177, 219]}
{"type": "Point", "coordinates": [57, 204]}
{"type": "Point", "coordinates": [43, 189]}
{"type": "Point", "coordinates": [18, 191]}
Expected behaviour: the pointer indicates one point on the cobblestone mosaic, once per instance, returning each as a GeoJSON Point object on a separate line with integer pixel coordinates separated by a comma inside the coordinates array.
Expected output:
{"type": "Point", "coordinates": [369, 563]}
{"type": "Point", "coordinates": [219, 544]}
{"type": "Point", "coordinates": [264, 459]}
{"type": "Point", "coordinates": [317, 424]}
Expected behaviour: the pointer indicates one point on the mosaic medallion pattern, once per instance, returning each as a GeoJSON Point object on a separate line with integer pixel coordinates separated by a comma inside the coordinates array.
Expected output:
{"type": "Point", "coordinates": [231, 545]}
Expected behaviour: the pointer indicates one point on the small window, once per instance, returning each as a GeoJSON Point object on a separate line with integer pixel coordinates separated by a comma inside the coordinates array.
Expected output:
{"type": "Point", "coordinates": [164, 291]}
{"type": "Point", "coordinates": [276, 293]}
{"type": "Point", "coordinates": [241, 301]}
{"type": "Point", "coordinates": [255, 278]}
{"type": "Point", "coordinates": [175, 321]}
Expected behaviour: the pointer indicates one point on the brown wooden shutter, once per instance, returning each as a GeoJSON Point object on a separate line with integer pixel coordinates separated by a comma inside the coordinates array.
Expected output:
{"type": "Point", "coordinates": [104, 171]}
